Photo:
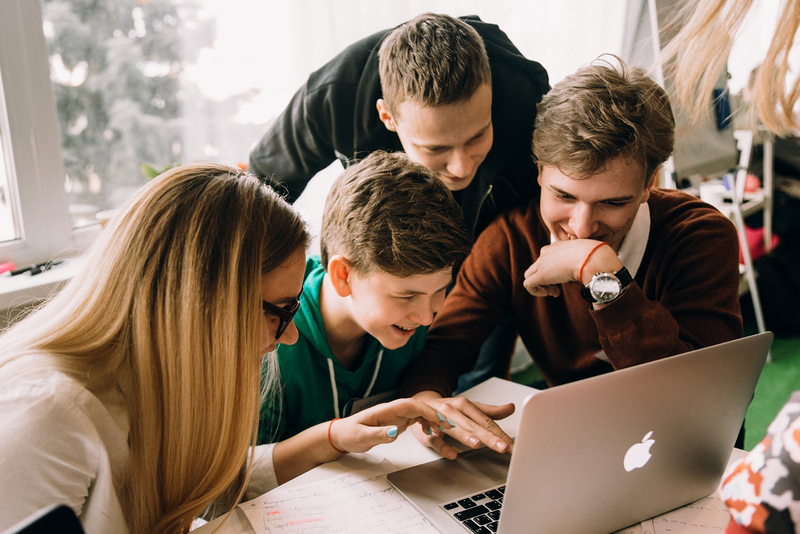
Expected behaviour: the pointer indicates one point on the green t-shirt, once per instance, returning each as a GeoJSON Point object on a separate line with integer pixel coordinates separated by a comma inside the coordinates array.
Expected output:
{"type": "Point", "coordinates": [307, 397]}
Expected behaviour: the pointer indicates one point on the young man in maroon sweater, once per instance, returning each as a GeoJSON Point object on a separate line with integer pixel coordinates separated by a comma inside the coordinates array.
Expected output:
{"type": "Point", "coordinates": [602, 272]}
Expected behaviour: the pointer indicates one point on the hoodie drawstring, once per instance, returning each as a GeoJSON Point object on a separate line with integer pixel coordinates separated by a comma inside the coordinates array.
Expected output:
{"type": "Point", "coordinates": [335, 390]}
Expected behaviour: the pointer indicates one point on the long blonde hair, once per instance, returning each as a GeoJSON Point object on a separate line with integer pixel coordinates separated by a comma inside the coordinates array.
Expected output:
{"type": "Point", "coordinates": [168, 309]}
{"type": "Point", "coordinates": [694, 59]}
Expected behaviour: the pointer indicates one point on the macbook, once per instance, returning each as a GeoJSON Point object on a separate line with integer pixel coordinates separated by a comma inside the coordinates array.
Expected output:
{"type": "Point", "coordinates": [603, 453]}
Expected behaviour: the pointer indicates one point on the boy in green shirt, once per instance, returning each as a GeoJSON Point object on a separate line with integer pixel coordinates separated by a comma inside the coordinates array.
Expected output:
{"type": "Point", "coordinates": [391, 237]}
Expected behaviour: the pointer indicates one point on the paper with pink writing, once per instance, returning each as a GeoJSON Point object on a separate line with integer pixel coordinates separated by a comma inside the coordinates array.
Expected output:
{"type": "Point", "coordinates": [358, 501]}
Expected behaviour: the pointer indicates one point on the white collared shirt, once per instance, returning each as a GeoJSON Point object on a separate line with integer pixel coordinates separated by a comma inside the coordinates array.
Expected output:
{"type": "Point", "coordinates": [631, 252]}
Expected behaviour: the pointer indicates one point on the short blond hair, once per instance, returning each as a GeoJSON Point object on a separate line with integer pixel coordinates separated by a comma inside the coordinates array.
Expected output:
{"type": "Point", "coordinates": [388, 213]}
{"type": "Point", "coordinates": [600, 113]}
{"type": "Point", "coordinates": [432, 60]}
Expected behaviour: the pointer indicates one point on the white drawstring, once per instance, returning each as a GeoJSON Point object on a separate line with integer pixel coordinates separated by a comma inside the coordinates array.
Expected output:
{"type": "Point", "coordinates": [374, 374]}
{"type": "Point", "coordinates": [335, 390]}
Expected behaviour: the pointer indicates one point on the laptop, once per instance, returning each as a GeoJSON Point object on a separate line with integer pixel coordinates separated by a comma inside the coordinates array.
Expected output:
{"type": "Point", "coordinates": [54, 518]}
{"type": "Point", "coordinates": [603, 453]}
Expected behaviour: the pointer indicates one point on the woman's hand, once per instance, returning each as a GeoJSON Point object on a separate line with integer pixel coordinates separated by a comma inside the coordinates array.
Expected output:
{"type": "Point", "coordinates": [382, 424]}
{"type": "Point", "coordinates": [360, 432]}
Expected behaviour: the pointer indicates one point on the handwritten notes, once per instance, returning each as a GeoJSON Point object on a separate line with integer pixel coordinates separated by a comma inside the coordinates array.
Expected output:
{"type": "Point", "coordinates": [363, 501]}
{"type": "Point", "coordinates": [706, 515]}
{"type": "Point", "coordinates": [358, 501]}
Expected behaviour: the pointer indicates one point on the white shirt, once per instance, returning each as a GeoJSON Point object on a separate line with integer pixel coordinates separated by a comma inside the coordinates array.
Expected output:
{"type": "Point", "coordinates": [631, 252]}
{"type": "Point", "coordinates": [60, 443]}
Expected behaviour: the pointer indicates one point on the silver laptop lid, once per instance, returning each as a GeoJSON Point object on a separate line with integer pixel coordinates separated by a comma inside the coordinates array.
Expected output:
{"type": "Point", "coordinates": [568, 471]}
{"type": "Point", "coordinates": [679, 418]}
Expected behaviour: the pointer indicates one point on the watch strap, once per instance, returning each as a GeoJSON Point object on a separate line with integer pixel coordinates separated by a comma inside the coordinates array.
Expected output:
{"type": "Point", "coordinates": [624, 277]}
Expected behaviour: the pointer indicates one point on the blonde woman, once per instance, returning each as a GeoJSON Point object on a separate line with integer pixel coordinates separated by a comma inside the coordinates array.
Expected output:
{"type": "Point", "coordinates": [697, 55]}
{"type": "Point", "coordinates": [133, 395]}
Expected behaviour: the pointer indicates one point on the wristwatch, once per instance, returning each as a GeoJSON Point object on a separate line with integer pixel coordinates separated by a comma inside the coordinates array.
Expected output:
{"type": "Point", "coordinates": [606, 287]}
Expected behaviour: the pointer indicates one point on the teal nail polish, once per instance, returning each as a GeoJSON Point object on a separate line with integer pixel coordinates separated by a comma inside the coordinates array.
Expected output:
{"type": "Point", "coordinates": [440, 428]}
{"type": "Point", "coordinates": [430, 431]}
{"type": "Point", "coordinates": [393, 432]}
{"type": "Point", "coordinates": [441, 417]}
{"type": "Point", "coordinates": [451, 423]}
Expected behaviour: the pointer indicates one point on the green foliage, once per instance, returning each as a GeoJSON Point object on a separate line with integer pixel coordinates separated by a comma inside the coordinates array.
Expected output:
{"type": "Point", "coordinates": [128, 108]}
{"type": "Point", "coordinates": [149, 172]}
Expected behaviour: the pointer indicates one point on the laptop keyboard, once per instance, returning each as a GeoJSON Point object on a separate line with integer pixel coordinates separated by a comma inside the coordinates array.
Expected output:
{"type": "Point", "coordinates": [478, 513]}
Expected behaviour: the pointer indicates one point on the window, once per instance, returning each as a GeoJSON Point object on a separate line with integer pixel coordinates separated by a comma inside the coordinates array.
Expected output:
{"type": "Point", "coordinates": [125, 107]}
{"type": "Point", "coordinates": [8, 225]}
{"type": "Point", "coordinates": [101, 94]}
{"type": "Point", "coordinates": [31, 155]}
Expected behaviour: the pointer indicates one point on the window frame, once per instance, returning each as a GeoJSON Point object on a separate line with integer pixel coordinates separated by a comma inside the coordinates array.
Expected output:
{"type": "Point", "coordinates": [30, 130]}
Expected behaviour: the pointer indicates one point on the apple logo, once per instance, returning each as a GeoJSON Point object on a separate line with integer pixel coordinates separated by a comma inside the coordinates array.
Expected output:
{"type": "Point", "coordinates": [638, 454]}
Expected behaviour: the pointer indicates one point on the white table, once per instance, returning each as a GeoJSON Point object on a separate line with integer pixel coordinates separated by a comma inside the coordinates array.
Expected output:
{"type": "Point", "coordinates": [406, 451]}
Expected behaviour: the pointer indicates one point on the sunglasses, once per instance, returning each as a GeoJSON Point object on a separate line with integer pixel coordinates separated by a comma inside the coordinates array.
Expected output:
{"type": "Point", "coordinates": [285, 314]}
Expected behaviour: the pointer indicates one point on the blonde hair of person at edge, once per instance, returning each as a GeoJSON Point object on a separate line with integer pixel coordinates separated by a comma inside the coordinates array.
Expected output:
{"type": "Point", "coordinates": [694, 59]}
{"type": "Point", "coordinates": [133, 395]}
{"type": "Point", "coordinates": [762, 490]}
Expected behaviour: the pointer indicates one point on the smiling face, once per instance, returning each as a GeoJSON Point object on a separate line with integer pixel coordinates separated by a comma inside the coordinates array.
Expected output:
{"type": "Point", "coordinates": [280, 287]}
{"type": "Point", "coordinates": [390, 308]}
{"type": "Point", "coordinates": [450, 140]}
{"type": "Point", "coordinates": [600, 207]}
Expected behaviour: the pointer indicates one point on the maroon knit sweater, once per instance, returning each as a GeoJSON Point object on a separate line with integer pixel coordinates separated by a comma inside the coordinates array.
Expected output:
{"type": "Point", "coordinates": [685, 296]}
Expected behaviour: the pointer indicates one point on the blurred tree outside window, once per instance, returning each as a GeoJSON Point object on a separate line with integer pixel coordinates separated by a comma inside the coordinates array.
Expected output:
{"type": "Point", "coordinates": [116, 69]}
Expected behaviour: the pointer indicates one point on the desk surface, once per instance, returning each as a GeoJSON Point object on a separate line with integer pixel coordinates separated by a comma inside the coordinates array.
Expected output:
{"type": "Point", "coordinates": [406, 451]}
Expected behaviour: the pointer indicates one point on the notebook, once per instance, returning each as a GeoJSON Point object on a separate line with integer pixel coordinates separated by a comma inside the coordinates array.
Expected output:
{"type": "Point", "coordinates": [603, 453]}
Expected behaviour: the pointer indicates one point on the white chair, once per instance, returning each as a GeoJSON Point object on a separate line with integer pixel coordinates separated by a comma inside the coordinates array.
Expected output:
{"type": "Point", "coordinates": [743, 204]}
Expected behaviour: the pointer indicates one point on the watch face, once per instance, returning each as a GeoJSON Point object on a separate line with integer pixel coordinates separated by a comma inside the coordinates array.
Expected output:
{"type": "Point", "coordinates": [605, 288]}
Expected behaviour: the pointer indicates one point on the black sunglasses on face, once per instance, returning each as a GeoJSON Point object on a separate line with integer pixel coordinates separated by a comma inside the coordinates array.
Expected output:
{"type": "Point", "coordinates": [285, 314]}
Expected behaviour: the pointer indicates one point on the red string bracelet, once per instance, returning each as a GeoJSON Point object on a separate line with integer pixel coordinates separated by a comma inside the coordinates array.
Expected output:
{"type": "Point", "coordinates": [331, 441]}
{"type": "Point", "coordinates": [580, 273]}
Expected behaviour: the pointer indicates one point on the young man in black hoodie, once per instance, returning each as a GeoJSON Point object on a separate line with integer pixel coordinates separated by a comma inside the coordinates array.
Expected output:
{"type": "Point", "coordinates": [454, 93]}
{"type": "Point", "coordinates": [462, 74]}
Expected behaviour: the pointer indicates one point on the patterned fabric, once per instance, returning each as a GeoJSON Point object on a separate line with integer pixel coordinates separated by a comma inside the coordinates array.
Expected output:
{"type": "Point", "coordinates": [762, 491]}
